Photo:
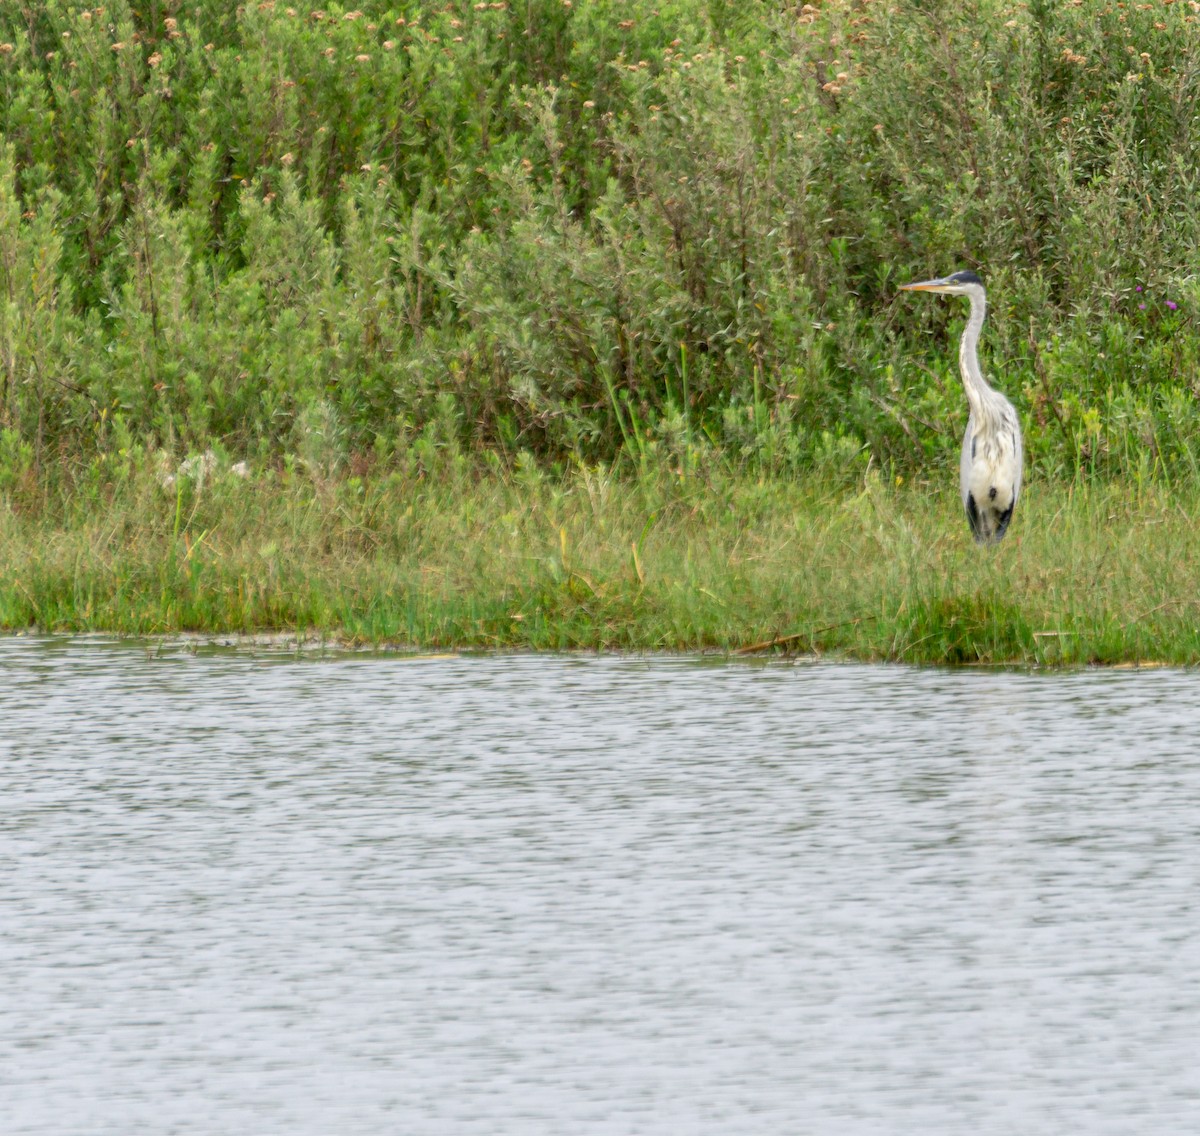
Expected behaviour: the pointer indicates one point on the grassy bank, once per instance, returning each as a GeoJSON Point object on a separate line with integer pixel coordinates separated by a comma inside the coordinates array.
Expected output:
{"type": "Point", "coordinates": [703, 560]}
{"type": "Point", "coordinates": [433, 272]}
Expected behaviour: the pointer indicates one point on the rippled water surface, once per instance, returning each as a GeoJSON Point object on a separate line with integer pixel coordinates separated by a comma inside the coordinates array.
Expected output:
{"type": "Point", "coordinates": [593, 895]}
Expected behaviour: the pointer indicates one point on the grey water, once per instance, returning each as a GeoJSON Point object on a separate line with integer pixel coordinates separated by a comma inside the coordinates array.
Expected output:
{"type": "Point", "coordinates": [248, 893]}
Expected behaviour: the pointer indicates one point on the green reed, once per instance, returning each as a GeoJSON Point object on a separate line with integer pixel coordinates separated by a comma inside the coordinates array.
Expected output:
{"type": "Point", "coordinates": [598, 559]}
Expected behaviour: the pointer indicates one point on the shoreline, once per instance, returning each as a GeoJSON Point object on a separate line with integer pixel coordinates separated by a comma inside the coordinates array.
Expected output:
{"type": "Point", "coordinates": [717, 563]}
{"type": "Point", "coordinates": [290, 644]}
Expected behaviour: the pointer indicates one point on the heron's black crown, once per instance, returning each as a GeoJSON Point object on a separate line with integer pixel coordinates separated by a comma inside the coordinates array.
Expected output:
{"type": "Point", "coordinates": [965, 277]}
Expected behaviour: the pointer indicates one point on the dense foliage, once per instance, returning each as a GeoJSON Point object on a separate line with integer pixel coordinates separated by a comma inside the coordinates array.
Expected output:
{"type": "Point", "coordinates": [593, 228]}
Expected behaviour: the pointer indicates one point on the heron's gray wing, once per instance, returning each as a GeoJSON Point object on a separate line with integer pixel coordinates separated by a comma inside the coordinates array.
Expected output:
{"type": "Point", "coordinates": [964, 464]}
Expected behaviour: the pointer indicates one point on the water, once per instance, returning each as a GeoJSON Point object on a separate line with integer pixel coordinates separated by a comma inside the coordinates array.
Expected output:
{"type": "Point", "coordinates": [592, 895]}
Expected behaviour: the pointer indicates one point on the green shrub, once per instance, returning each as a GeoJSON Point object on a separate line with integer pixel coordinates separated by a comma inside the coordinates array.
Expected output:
{"type": "Point", "coordinates": [597, 228]}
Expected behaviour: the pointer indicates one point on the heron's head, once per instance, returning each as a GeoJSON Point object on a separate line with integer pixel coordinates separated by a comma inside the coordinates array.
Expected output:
{"type": "Point", "coordinates": [958, 284]}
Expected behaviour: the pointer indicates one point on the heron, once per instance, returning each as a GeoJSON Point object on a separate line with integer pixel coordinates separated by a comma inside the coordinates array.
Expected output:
{"type": "Point", "coordinates": [990, 466]}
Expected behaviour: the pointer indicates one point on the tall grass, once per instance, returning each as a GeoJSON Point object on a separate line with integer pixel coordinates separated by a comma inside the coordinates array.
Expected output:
{"type": "Point", "coordinates": [595, 559]}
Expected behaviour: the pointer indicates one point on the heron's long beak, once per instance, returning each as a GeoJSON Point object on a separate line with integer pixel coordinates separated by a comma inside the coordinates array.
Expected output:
{"type": "Point", "coordinates": [939, 285]}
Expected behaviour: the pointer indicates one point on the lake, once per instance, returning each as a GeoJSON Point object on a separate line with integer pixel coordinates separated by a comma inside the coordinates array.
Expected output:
{"type": "Point", "coordinates": [245, 892]}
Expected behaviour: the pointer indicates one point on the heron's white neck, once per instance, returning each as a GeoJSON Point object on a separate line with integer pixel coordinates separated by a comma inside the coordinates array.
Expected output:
{"type": "Point", "coordinates": [980, 396]}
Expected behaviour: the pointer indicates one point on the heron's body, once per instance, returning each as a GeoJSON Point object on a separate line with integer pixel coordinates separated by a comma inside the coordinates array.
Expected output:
{"type": "Point", "coordinates": [991, 461]}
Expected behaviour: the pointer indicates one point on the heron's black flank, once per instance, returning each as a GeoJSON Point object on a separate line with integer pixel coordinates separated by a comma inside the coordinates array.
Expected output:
{"type": "Point", "coordinates": [1002, 522]}
{"type": "Point", "coordinates": [973, 516]}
